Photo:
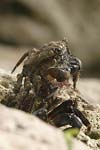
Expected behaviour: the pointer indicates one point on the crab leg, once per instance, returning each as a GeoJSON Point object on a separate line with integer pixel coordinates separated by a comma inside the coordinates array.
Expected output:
{"type": "Point", "coordinates": [20, 61]}
{"type": "Point", "coordinates": [67, 119]}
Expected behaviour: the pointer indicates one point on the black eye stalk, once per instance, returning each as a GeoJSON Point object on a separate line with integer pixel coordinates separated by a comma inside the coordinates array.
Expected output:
{"type": "Point", "coordinates": [75, 66]}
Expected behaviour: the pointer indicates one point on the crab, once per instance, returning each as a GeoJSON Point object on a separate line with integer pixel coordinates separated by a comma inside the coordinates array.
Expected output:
{"type": "Point", "coordinates": [53, 61]}
{"type": "Point", "coordinates": [51, 65]}
{"type": "Point", "coordinates": [36, 85]}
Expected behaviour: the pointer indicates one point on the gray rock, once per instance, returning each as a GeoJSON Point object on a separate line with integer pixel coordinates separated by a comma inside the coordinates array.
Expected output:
{"type": "Point", "coordinates": [90, 89]}
{"type": "Point", "coordinates": [22, 131]}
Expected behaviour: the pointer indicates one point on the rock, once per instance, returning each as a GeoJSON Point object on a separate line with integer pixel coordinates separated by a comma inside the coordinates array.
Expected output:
{"type": "Point", "coordinates": [90, 89]}
{"type": "Point", "coordinates": [92, 143]}
{"type": "Point", "coordinates": [6, 83]}
{"type": "Point", "coordinates": [78, 145]}
{"type": "Point", "coordinates": [21, 130]}
{"type": "Point", "coordinates": [19, 126]}
{"type": "Point", "coordinates": [24, 131]}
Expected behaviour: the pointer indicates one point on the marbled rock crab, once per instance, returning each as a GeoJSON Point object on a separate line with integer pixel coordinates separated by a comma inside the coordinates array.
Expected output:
{"type": "Point", "coordinates": [53, 59]}
{"type": "Point", "coordinates": [36, 85]}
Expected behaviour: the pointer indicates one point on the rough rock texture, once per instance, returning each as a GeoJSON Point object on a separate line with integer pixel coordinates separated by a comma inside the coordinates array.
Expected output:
{"type": "Point", "coordinates": [90, 110]}
{"type": "Point", "coordinates": [23, 131]}
{"type": "Point", "coordinates": [6, 83]}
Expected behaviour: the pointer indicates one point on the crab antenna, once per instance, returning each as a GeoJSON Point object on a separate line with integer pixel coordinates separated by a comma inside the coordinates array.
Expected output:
{"type": "Point", "coordinates": [20, 61]}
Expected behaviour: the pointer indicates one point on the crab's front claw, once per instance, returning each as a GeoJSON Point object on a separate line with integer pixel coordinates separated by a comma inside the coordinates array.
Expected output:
{"type": "Point", "coordinates": [65, 107]}
{"type": "Point", "coordinates": [57, 73]}
{"type": "Point", "coordinates": [67, 119]}
{"type": "Point", "coordinates": [83, 118]}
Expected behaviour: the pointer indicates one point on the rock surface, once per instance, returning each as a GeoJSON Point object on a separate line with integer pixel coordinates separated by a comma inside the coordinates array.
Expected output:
{"type": "Point", "coordinates": [90, 89]}
{"type": "Point", "coordinates": [20, 127]}
{"type": "Point", "coordinates": [23, 131]}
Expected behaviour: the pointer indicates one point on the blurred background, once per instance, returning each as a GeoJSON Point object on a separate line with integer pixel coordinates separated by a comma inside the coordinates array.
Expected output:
{"type": "Point", "coordinates": [31, 23]}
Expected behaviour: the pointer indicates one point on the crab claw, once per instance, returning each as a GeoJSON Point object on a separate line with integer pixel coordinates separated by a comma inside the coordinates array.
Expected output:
{"type": "Point", "coordinates": [57, 73]}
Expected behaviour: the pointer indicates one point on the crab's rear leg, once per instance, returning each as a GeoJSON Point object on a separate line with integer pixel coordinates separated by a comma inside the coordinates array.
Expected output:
{"type": "Point", "coordinates": [20, 61]}
{"type": "Point", "coordinates": [75, 77]}
{"type": "Point", "coordinates": [61, 76]}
